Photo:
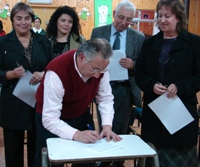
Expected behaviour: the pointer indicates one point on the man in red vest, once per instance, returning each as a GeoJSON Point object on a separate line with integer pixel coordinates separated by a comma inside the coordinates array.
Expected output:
{"type": "Point", "coordinates": [70, 83]}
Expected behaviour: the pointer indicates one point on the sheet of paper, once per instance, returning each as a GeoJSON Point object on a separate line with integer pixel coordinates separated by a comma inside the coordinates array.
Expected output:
{"type": "Point", "coordinates": [171, 112]}
{"type": "Point", "coordinates": [117, 72]}
{"type": "Point", "coordinates": [102, 146]}
{"type": "Point", "coordinates": [25, 91]}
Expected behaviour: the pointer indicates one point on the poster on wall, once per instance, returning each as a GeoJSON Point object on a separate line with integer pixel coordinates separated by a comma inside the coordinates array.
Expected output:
{"type": "Point", "coordinates": [102, 12]}
{"type": "Point", "coordinates": [4, 12]}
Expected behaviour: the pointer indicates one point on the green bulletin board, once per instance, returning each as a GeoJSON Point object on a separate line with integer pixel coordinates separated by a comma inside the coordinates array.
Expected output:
{"type": "Point", "coordinates": [102, 12]}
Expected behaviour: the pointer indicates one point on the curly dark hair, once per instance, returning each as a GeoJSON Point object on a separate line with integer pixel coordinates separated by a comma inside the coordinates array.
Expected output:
{"type": "Point", "coordinates": [51, 30]}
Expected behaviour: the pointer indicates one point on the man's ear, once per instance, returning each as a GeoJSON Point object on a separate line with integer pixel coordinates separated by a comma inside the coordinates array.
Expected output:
{"type": "Point", "coordinates": [81, 57]}
{"type": "Point", "coordinates": [114, 13]}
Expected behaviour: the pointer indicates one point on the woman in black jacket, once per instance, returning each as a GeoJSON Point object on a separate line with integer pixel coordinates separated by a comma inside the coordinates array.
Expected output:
{"type": "Point", "coordinates": [20, 50]}
{"type": "Point", "coordinates": [169, 63]}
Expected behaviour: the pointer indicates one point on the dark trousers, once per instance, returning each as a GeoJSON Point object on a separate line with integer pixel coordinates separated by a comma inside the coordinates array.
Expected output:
{"type": "Point", "coordinates": [123, 104]}
{"type": "Point", "coordinates": [14, 147]}
{"type": "Point", "coordinates": [43, 134]}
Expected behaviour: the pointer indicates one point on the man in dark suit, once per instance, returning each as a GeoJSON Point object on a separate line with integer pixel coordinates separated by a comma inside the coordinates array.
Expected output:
{"type": "Point", "coordinates": [126, 93]}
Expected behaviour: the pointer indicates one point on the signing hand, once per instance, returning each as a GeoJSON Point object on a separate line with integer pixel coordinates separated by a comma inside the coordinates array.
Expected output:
{"type": "Point", "coordinates": [86, 136]}
{"type": "Point", "coordinates": [126, 63]}
{"type": "Point", "coordinates": [109, 134]}
{"type": "Point", "coordinates": [15, 73]}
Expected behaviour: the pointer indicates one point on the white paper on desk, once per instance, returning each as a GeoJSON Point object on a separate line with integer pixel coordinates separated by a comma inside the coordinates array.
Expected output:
{"type": "Point", "coordinates": [117, 72]}
{"type": "Point", "coordinates": [103, 146]}
{"type": "Point", "coordinates": [171, 112]}
{"type": "Point", "coordinates": [25, 91]}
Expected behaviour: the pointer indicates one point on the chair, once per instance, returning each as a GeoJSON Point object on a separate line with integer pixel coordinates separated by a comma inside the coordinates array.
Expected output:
{"type": "Point", "coordinates": [136, 114]}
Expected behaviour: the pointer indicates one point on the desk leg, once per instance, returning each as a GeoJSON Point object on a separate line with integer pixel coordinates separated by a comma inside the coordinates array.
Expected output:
{"type": "Point", "coordinates": [45, 162]}
{"type": "Point", "coordinates": [142, 162]}
{"type": "Point", "coordinates": [155, 158]}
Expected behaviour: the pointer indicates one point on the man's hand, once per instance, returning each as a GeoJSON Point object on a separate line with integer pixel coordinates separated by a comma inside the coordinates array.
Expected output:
{"type": "Point", "coordinates": [109, 134]}
{"type": "Point", "coordinates": [126, 63]}
{"type": "Point", "coordinates": [86, 136]}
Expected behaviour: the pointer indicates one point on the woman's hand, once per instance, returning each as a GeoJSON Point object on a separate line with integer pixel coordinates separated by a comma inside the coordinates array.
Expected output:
{"type": "Point", "coordinates": [171, 90]}
{"type": "Point", "coordinates": [159, 89]}
{"type": "Point", "coordinates": [17, 72]}
{"type": "Point", "coordinates": [37, 77]}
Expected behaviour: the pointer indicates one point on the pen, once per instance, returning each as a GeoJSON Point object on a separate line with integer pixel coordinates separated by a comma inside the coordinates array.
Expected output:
{"type": "Point", "coordinates": [18, 65]}
{"type": "Point", "coordinates": [89, 127]}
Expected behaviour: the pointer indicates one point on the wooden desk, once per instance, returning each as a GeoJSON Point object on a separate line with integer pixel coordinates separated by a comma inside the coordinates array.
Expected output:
{"type": "Point", "coordinates": [68, 151]}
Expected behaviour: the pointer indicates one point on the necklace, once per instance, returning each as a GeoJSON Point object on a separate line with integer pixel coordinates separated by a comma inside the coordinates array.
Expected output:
{"type": "Point", "coordinates": [164, 56]}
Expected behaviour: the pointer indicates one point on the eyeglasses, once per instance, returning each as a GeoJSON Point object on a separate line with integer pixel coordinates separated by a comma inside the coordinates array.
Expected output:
{"type": "Point", "coordinates": [122, 18]}
{"type": "Point", "coordinates": [94, 71]}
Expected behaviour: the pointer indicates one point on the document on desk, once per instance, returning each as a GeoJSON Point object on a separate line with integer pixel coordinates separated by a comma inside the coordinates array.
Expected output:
{"type": "Point", "coordinates": [117, 72]}
{"type": "Point", "coordinates": [102, 146]}
{"type": "Point", "coordinates": [25, 91]}
{"type": "Point", "coordinates": [171, 112]}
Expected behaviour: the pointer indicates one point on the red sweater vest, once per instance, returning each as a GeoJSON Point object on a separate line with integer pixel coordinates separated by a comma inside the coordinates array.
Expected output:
{"type": "Point", "coordinates": [78, 94]}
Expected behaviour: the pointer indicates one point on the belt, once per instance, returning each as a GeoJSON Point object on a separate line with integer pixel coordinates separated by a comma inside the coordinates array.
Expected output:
{"type": "Point", "coordinates": [122, 82]}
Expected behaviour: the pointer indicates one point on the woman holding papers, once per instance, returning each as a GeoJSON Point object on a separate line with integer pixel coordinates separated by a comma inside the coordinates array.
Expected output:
{"type": "Point", "coordinates": [20, 51]}
{"type": "Point", "coordinates": [169, 63]}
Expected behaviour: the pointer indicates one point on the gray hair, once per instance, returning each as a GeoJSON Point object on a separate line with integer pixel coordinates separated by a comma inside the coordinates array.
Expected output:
{"type": "Point", "coordinates": [94, 47]}
{"type": "Point", "coordinates": [21, 7]}
{"type": "Point", "coordinates": [129, 6]}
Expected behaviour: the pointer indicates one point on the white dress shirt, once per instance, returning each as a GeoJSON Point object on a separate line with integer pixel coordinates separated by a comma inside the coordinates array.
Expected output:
{"type": "Point", "coordinates": [122, 38]}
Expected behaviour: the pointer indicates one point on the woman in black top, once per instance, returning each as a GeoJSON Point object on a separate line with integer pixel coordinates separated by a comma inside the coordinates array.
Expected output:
{"type": "Point", "coordinates": [64, 30]}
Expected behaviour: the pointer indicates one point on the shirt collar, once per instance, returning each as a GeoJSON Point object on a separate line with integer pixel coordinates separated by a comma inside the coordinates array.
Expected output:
{"type": "Point", "coordinates": [113, 30]}
{"type": "Point", "coordinates": [76, 67]}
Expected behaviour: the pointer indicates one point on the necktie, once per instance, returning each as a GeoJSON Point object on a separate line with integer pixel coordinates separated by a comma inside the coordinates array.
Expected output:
{"type": "Point", "coordinates": [116, 44]}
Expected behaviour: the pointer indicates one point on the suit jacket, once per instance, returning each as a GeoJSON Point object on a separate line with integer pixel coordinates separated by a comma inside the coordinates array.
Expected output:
{"type": "Point", "coordinates": [184, 64]}
{"type": "Point", "coordinates": [134, 41]}
{"type": "Point", "coordinates": [14, 113]}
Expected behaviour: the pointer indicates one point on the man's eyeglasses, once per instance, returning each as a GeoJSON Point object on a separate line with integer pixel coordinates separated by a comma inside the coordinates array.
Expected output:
{"type": "Point", "coordinates": [122, 18]}
{"type": "Point", "coordinates": [94, 71]}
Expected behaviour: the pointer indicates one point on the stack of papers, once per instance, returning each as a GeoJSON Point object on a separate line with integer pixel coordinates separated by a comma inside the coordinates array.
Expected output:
{"type": "Point", "coordinates": [171, 112]}
{"type": "Point", "coordinates": [24, 91]}
{"type": "Point", "coordinates": [117, 72]}
{"type": "Point", "coordinates": [102, 146]}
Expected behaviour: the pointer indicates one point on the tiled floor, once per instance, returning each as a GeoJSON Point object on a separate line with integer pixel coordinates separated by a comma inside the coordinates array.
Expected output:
{"type": "Point", "coordinates": [128, 163]}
